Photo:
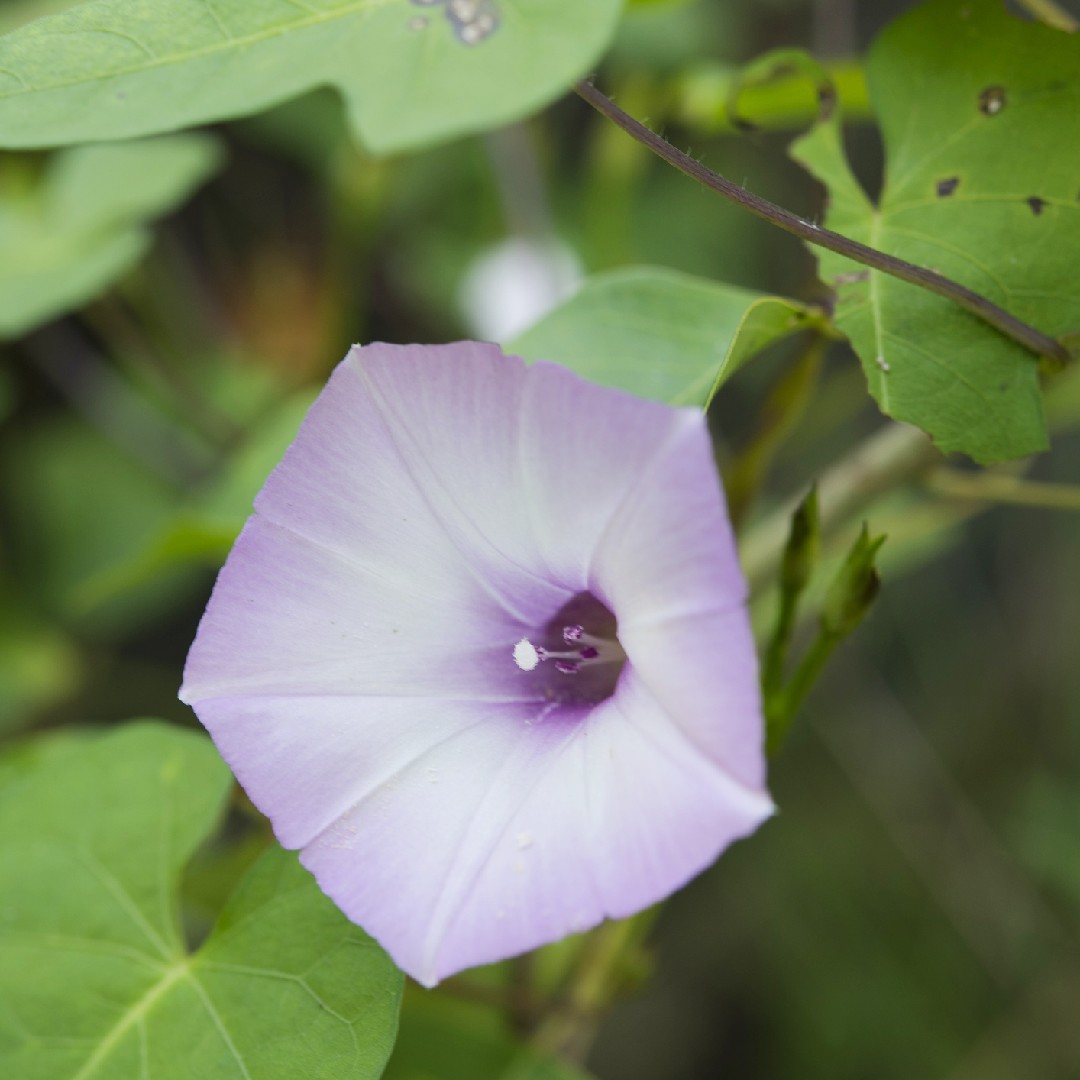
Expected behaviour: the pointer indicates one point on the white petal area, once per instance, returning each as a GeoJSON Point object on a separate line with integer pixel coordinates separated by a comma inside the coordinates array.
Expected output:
{"type": "Point", "coordinates": [576, 482]}
{"type": "Point", "coordinates": [401, 463]}
{"type": "Point", "coordinates": [509, 836]}
{"type": "Point", "coordinates": [703, 671]}
{"type": "Point", "coordinates": [289, 616]}
{"type": "Point", "coordinates": [525, 465]}
{"type": "Point", "coordinates": [669, 569]}
{"type": "Point", "coordinates": [308, 761]}
{"type": "Point", "coordinates": [669, 550]}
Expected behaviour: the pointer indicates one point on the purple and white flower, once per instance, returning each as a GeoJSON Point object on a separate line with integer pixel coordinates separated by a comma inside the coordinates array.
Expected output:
{"type": "Point", "coordinates": [482, 653]}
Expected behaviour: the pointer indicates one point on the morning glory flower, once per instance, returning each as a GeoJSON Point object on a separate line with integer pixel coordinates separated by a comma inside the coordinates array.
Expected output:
{"type": "Point", "coordinates": [482, 654]}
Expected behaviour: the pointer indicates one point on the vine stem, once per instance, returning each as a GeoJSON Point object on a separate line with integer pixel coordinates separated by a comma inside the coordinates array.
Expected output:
{"type": "Point", "coordinates": [1012, 327]}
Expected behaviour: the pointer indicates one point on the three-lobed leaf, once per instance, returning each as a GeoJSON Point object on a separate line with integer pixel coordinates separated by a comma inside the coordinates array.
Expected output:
{"type": "Point", "coordinates": [409, 75]}
{"type": "Point", "coordinates": [978, 114]}
{"type": "Point", "coordinates": [83, 224]}
{"type": "Point", "coordinates": [660, 333]}
{"type": "Point", "coordinates": [95, 979]}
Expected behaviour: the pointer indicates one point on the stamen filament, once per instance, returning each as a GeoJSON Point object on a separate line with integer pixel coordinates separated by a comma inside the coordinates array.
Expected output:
{"type": "Point", "coordinates": [591, 650]}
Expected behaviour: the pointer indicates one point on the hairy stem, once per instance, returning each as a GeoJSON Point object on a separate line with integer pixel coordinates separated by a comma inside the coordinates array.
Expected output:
{"type": "Point", "coordinates": [1020, 332]}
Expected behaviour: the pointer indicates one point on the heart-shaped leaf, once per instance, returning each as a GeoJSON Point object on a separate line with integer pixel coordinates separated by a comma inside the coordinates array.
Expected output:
{"type": "Point", "coordinates": [661, 334]}
{"type": "Point", "coordinates": [96, 982]}
{"type": "Point", "coordinates": [978, 111]}
{"type": "Point", "coordinates": [411, 71]}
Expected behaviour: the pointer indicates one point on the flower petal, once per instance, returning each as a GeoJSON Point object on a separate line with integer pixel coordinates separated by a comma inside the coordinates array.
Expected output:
{"type": "Point", "coordinates": [669, 569]}
{"type": "Point", "coordinates": [289, 616]}
{"type": "Point", "coordinates": [307, 761]}
{"type": "Point", "coordinates": [403, 465]}
{"type": "Point", "coordinates": [523, 467]}
{"type": "Point", "coordinates": [512, 835]}
{"type": "Point", "coordinates": [355, 664]}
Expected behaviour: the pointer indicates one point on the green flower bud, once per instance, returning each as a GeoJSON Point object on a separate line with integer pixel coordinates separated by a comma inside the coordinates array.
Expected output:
{"type": "Point", "coordinates": [853, 589]}
{"type": "Point", "coordinates": [803, 545]}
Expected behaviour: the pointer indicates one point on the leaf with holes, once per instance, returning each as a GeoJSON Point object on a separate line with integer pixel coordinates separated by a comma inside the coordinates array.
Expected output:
{"type": "Point", "coordinates": [978, 114]}
{"type": "Point", "coordinates": [95, 980]}
{"type": "Point", "coordinates": [71, 234]}
{"type": "Point", "coordinates": [661, 334]}
{"type": "Point", "coordinates": [411, 71]}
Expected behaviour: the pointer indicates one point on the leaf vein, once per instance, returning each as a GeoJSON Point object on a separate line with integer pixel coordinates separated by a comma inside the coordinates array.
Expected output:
{"type": "Point", "coordinates": [218, 1023]}
{"type": "Point", "coordinates": [124, 898]}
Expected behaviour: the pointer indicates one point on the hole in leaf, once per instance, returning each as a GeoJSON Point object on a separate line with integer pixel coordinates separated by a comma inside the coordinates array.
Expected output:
{"type": "Point", "coordinates": [947, 186]}
{"type": "Point", "coordinates": [1036, 204]}
{"type": "Point", "coordinates": [992, 100]}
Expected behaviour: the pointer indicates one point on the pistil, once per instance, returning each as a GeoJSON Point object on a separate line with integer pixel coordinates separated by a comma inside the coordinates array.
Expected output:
{"type": "Point", "coordinates": [586, 650]}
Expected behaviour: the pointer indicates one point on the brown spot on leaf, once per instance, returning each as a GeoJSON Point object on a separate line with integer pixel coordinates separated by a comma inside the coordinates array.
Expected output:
{"type": "Point", "coordinates": [947, 186]}
{"type": "Point", "coordinates": [992, 100]}
{"type": "Point", "coordinates": [1036, 204]}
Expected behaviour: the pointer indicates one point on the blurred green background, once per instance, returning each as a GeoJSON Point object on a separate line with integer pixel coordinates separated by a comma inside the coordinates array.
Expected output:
{"type": "Point", "coordinates": [913, 910]}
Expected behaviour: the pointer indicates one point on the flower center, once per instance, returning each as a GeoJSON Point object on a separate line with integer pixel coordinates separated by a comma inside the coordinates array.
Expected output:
{"type": "Point", "coordinates": [584, 651]}
{"type": "Point", "coordinates": [577, 658]}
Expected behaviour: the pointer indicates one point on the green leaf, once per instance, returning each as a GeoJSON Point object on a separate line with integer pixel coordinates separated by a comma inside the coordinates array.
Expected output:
{"type": "Point", "coordinates": [659, 333]}
{"type": "Point", "coordinates": [68, 237]}
{"type": "Point", "coordinates": [95, 979]}
{"type": "Point", "coordinates": [978, 113]}
{"type": "Point", "coordinates": [118, 68]}
{"type": "Point", "coordinates": [14, 13]}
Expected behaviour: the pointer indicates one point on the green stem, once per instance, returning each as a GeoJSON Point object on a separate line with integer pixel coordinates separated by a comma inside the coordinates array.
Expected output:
{"type": "Point", "coordinates": [773, 668]}
{"type": "Point", "coordinates": [703, 93]}
{"type": "Point", "coordinates": [894, 456]}
{"type": "Point", "coordinates": [993, 487]}
{"type": "Point", "coordinates": [782, 410]}
{"type": "Point", "coordinates": [784, 707]}
{"type": "Point", "coordinates": [568, 1030]}
{"type": "Point", "coordinates": [1052, 14]}
{"type": "Point", "coordinates": [1012, 327]}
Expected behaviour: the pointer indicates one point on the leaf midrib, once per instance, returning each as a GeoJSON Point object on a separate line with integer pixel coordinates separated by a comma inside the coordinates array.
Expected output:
{"type": "Point", "coordinates": [180, 971]}
{"type": "Point", "coordinates": [131, 1016]}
